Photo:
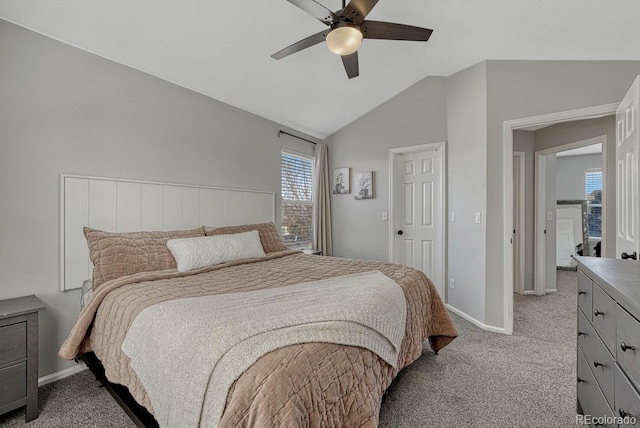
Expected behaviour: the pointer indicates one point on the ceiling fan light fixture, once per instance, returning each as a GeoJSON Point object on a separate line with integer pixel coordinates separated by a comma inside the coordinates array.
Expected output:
{"type": "Point", "coordinates": [344, 39]}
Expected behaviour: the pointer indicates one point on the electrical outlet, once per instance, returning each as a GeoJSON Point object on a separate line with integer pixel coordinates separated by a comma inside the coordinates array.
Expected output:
{"type": "Point", "coordinates": [385, 215]}
{"type": "Point", "coordinates": [452, 283]}
{"type": "Point", "coordinates": [452, 216]}
{"type": "Point", "coordinates": [478, 218]}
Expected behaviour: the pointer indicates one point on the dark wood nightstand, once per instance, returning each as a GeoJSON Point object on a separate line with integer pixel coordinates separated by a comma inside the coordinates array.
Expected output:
{"type": "Point", "coordinates": [19, 354]}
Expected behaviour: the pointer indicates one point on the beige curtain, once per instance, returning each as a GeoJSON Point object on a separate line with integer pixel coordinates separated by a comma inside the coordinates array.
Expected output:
{"type": "Point", "coordinates": [322, 205]}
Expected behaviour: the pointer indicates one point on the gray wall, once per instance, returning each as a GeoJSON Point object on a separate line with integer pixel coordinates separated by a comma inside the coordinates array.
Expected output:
{"type": "Point", "coordinates": [570, 132]}
{"type": "Point", "coordinates": [467, 145]}
{"type": "Point", "coordinates": [415, 116]}
{"type": "Point", "coordinates": [519, 89]}
{"type": "Point", "coordinates": [63, 110]}
{"type": "Point", "coordinates": [524, 141]}
{"type": "Point", "coordinates": [570, 174]}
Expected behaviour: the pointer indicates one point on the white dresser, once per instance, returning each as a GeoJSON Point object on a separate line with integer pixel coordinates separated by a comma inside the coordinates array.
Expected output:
{"type": "Point", "coordinates": [608, 352]}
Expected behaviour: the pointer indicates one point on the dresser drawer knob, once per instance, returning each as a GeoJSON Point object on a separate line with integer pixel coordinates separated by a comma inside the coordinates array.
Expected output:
{"type": "Point", "coordinates": [580, 293]}
{"type": "Point", "coordinates": [581, 380]}
{"type": "Point", "coordinates": [624, 347]}
{"type": "Point", "coordinates": [597, 313]}
{"type": "Point", "coordinates": [581, 334]}
{"type": "Point", "coordinates": [596, 364]}
{"type": "Point", "coordinates": [624, 414]}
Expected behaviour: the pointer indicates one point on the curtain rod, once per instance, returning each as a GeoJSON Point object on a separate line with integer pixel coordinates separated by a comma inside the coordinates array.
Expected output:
{"type": "Point", "coordinates": [295, 136]}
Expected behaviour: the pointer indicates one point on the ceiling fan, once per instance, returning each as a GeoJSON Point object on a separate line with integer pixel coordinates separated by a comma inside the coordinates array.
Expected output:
{"type": "Point", "coordinates": [347, 28]}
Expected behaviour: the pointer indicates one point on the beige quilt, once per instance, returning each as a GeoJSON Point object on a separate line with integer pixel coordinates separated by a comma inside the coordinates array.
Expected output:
{"type": "Point", "coordinates": [314, 384]}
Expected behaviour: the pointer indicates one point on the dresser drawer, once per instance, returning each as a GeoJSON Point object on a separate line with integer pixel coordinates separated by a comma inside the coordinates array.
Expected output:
{"type": "Point", "coordinates": [13, 343]}
{"type": "Point", "coordinates": [589, 394]}
{"type": "Point", "coordinates": [627, 401]}
{"type": "Point", "coordinates": [599, 360]}
{"type": "Point", "coordinates": [604, 317]}
{"type": "Point", "coordinates": [585, 293]}
{"type": "Point", "coordinates": [13, 383]}
{"type": "Point", "coordinates": [629, 335]}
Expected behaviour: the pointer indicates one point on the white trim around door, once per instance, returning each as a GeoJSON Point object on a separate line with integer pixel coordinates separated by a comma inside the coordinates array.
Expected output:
{"type": "Point", "coordinates": [507, 186]}
{"type": "Point", "coordinates": [393, 154]}
{"type": "Point", "coordinates": [519, 229]}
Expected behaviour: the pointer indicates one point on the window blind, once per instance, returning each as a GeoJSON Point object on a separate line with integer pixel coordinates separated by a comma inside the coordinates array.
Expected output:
{"type": "Point", "coordinates": [297, 198]}
{"type": "Point", "coordinates": [593, 189]}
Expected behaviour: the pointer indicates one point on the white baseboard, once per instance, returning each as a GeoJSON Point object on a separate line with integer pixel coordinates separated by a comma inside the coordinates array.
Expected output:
{"type": "Point", "coordinates": [61, 374]}
{"type": "Point", "coordinates": [551, 291]}
{"type": "Point", "coordinates": [475, 321]}
{"type": "Point", "coordinates": [529, 292]}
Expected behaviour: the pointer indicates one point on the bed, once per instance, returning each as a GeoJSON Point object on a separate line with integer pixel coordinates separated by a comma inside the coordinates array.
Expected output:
{"type": "Point", "coordinates": [273, 338]}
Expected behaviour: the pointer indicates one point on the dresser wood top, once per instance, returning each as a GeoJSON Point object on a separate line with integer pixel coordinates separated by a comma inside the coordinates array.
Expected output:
{"type": "Point", "coordinates": [20, 306]}
{"type": "Point", "coordinates": [619, 278]}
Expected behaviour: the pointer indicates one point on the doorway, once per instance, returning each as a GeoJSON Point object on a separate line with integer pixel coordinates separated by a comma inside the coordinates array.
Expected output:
{"type": "Point", "coordinates": [417, 229]}
{"type": "Point", "coordinates": [561, 188]}
{"type": "Point", "coordinates": [508, 129]}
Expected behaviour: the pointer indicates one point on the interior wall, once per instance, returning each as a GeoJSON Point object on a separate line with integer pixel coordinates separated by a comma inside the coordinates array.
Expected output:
{"type": "Point", "coordinates": [570, 183]}
{"type": "Point", "coordinates": [570, 132]}
{"type": "Point", "coordinates": [524, 141]}
{"type": "Point", "coordinates": [64, 110]}
{"type": "Point", "coordinates": [415, 116]}
{"type": "Point", "coordinates": [466, 182]}
{"type": "Point", "coordinates": [520, 89]}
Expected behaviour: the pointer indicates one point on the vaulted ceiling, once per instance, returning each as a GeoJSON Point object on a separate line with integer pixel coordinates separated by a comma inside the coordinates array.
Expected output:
{"type": "Point", "coordinates": [222, 49]}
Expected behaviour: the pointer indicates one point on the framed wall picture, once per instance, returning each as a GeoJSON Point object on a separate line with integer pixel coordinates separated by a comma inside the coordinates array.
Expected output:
{"type": "Point", "coordinates": [341, 181]}
{"type": "Point", "coordinates": [363, 185]}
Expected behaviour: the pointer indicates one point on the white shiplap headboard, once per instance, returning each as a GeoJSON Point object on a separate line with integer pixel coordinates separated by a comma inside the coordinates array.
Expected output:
{"type": "Point", "coordinates": [120, 205]}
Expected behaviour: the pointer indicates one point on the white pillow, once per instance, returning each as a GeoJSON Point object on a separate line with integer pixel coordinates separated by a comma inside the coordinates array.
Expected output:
{"type": "Point", "coordinates": [194, 253]}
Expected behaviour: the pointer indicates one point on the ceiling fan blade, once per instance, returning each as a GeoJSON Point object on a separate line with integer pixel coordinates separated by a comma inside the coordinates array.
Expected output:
{"type": "Point", "coordinates": [391, 31]}
{"type": "Point", "coordinates": [351, 64]}
{"type": "Point", "coordinates": [302, 44]}
{"type": "Point", "coordinates": [316, 10]}
{"type": "Point", "coordinates": [357, 10]}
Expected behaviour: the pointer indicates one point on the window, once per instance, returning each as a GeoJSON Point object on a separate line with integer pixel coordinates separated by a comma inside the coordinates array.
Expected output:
{"type": "Point", "coordinates": [297, 199]}
{"type": "Point", "coordinates": [593, 185]}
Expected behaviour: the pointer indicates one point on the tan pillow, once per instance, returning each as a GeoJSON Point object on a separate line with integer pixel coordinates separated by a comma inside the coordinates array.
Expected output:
{"type": "Point", "coordinates": [269, 236]}
{"type": "Point", "coordinates": [118, 254]}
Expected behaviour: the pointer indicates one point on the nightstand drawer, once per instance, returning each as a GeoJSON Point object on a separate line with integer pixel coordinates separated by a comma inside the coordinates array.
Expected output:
{"type": "Point", "coordinates": [628, 344]}
{"type": "Point", "coordinates": [627, 400]}
{"type": "Point", "coordinates": [13, 343]}
{"type": "Point", "coordinates": [598, 359]}
{"type": "Point", "coordinates": [13, 383]}
{"type": "Point", "coordinates": [585, 292]}
{"type": "Point", "coordinates": [604, 317]}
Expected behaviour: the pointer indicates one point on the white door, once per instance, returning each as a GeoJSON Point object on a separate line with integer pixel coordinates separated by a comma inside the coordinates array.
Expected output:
{"type": "Point", "coordinates": [627, 137]}
{"type": "Point", "coordinates": [418, 214]}
{"type": "Point", "coordinates": [564, 241]}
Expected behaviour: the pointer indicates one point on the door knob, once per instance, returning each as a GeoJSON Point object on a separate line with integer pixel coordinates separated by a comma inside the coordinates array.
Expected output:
{"type": "Point", "coordinates": [626, 256]}
{"type": "Point", "coordinates": [400, 232]}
